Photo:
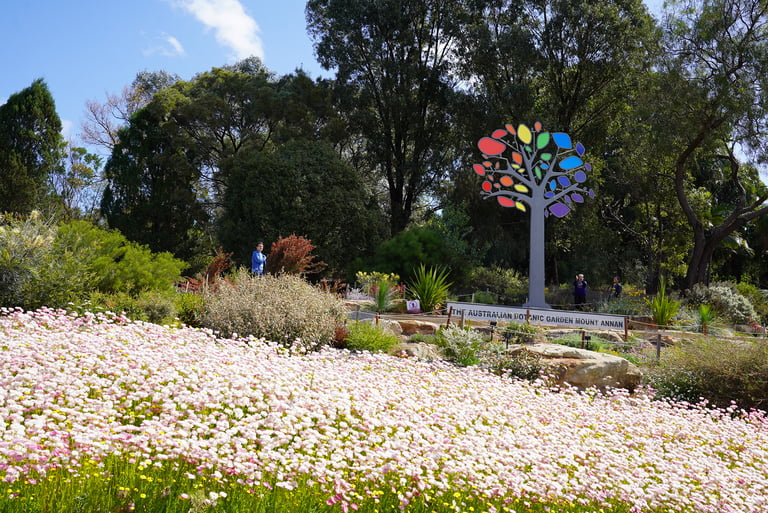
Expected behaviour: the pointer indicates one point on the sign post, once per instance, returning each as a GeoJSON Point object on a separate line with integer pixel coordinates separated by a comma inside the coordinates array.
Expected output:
{"type": "Point", "coordinates": [543, 317]}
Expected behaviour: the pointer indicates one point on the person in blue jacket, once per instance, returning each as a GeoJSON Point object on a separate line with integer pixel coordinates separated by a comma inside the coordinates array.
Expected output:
{"type": "Point", "coordinates": [258, 260]}
{"type": "Point", "coordinates": [616, 287]}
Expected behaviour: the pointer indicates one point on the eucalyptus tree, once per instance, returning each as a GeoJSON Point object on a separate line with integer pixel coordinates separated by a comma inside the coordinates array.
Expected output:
{"type": "Point", "coordinates": [649, 235]}
{"type": "Point", "coordinates": [31, 149]}
{"type": "Point", "coordinates": [153, 180]}
{"type": "Point", "coordinates": [569, 63]}
{"type": "Point", "coordinates": [714, 100]}
{"type": "Point", "coordinates": [395, 66]}
{"type": "Point", "coordinates": [78, 183]}
{"type": "Point", "coordinates": [224, 110]}
{"type": "Point", "coordinates": [163, 176]}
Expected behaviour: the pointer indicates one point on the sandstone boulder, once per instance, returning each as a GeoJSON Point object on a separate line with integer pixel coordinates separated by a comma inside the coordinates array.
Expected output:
{"type": "Point", "coordinates": [411, 326]}
{"type": "Point", "coordinates": [584, 369]}
{"type": "Point", "coordinates": [392, 326]}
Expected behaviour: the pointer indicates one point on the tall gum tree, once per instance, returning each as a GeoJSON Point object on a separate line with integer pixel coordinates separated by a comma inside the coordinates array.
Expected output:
{"type": "Point", "coordinates": [714, 96]}
{"type": "Point", "coordinates": [394, 62]}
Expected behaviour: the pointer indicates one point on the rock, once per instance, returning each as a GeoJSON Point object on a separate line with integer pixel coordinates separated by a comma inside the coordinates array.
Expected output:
{"type": "Point", "coordinates": [392, 326]}
{"type": "Point", "coordinates": [420, 350]}
{"type": "Point", "coordinates": [584, 369]}
{"type": "Point", "coordinates": [411, 326]}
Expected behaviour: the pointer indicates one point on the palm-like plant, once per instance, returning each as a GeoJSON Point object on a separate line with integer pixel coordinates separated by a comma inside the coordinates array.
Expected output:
{"type": "Point", "coordinates": [382, 295]}
{"type": "Point", "coordinates": [430, 287]}
{"type": "Point", "coordinates": [705, 315]}
{"type": "Point", "coordinates": [663, 308]}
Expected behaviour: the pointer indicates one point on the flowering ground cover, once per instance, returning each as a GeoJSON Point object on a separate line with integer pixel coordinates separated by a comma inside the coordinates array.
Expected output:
{"type": "Point", "coordinates": [103, 414]}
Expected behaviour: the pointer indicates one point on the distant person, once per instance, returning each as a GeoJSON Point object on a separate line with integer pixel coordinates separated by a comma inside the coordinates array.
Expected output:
{"type": "Point", "coordinates": [580, 291]}
{"type": "Point", "coordinates": [616, 288]}
{"type": "Point", "coordinates": [258, 260]}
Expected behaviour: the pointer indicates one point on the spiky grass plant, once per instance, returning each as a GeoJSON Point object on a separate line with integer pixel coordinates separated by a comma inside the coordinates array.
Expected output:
{"type": "Point", "coordinates": [663, 308]}
{"type": "Point", "coordinates": [430, 287]}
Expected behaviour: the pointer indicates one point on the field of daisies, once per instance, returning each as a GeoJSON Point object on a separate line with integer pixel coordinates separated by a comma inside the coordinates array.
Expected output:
{"type": "Point", "coordinates": [103, 414]}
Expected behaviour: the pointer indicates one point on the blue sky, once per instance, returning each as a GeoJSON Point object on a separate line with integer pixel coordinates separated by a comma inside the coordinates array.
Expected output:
{"type": "Point", "coordinates": [87, 49]}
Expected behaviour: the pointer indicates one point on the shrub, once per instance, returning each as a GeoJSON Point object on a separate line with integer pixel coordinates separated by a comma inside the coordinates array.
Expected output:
{"type": "Point", "coordinates": [157, 307]}
{"type": "Point", "coordinates": [757, 299]}
{"type": "Point", "coordinates": [422, 338]}
{"type": "Point", "coordinates": [406, 251]}
{"type": "Point", "coordinates": [364, 336]}
{"type": "Point", "coordinates": [25, 243]}
{"type": "Point", "coordinates": [115, 302]}
{"type": "Point", "coordinates": [340, 334]}
{"type": "Point", "coordinates": [509, 286]}
{"type": "Point", "coordinates": [726, 301]}
{"type": "Point", "coordinates": [214, 271]}
{"type": "Point", "coordinates": [292, 255]}
{"type": "Point", "coordinates": [521, 364]}
{"type": "Point", "coordinates": [189, 307]}
{"type": "Point", "coordinates": [151, 306]}
{"type": "Point", "coordinates": [520, 332]}
{"type": "Point", "coordinates": [381, 287]}
{"type": "Point", "coordinates": [630, 302]}
{"type": "Point", "coordinates": [464, 346]}
{"type": "Point", "coordinates": [117, 264]}
{"type": "Point", "coordinates": [486, 298]}
{"type": "Point", "coordinates": [704, 317]}
{"type": "Point", "coordinates": [717, 370]}
{"type": "Point", "coordinates": [430, 287]}
{"type": "Point", "coordinates": [58, 281]}
{"type": "Point", "coordinates": [284, 309]}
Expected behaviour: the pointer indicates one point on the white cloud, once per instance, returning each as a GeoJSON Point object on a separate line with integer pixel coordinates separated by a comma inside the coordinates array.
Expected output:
{"type": "Point", "coordinates": [167, 45]}
{"type": "Point", "coordinates": [177, 48]}
{"type": "Point", "coordinates": [232, 25]}
{"type": "Point", "coordinates": [66, 129]}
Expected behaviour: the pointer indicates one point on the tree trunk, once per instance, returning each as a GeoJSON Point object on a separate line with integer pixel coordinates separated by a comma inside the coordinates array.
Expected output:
{"type": "Point", "coordinates": [399, 214]}
{"type": "Point", "coordinates": [652, 280]}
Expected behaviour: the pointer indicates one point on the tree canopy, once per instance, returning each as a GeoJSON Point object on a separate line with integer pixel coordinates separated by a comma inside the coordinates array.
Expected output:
{"type": "Point", "coordinates": [31, 148]}
{"type": "Point", "coordinates": [672, 110]}
{"type": "Point", "coordinates": [396, 74]}
{"type": "Point", "coordinates": [714, 90]}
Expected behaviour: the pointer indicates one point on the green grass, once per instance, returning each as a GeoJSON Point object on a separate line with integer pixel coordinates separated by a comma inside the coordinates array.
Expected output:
{"type": "Point", "coordinates": [117, 486]}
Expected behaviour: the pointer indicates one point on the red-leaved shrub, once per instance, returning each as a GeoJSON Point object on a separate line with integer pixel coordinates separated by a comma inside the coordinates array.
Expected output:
{"type": "Point", "coordinates": [292, 255]}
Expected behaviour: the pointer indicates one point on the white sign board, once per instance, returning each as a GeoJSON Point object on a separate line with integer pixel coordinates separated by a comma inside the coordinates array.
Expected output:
{"type": "Point", "coordinates": [413, 306]}
{"type": "Point", "coordinates": [476, 311]}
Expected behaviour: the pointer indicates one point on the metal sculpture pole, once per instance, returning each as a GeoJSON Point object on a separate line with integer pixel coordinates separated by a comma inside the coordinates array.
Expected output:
{"type": "Point", "coordinates": [538, 171]}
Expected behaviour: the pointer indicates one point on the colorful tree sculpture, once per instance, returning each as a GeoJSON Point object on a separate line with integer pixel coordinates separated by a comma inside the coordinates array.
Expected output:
{"type": "Point", "coordinates": [538, 171]}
